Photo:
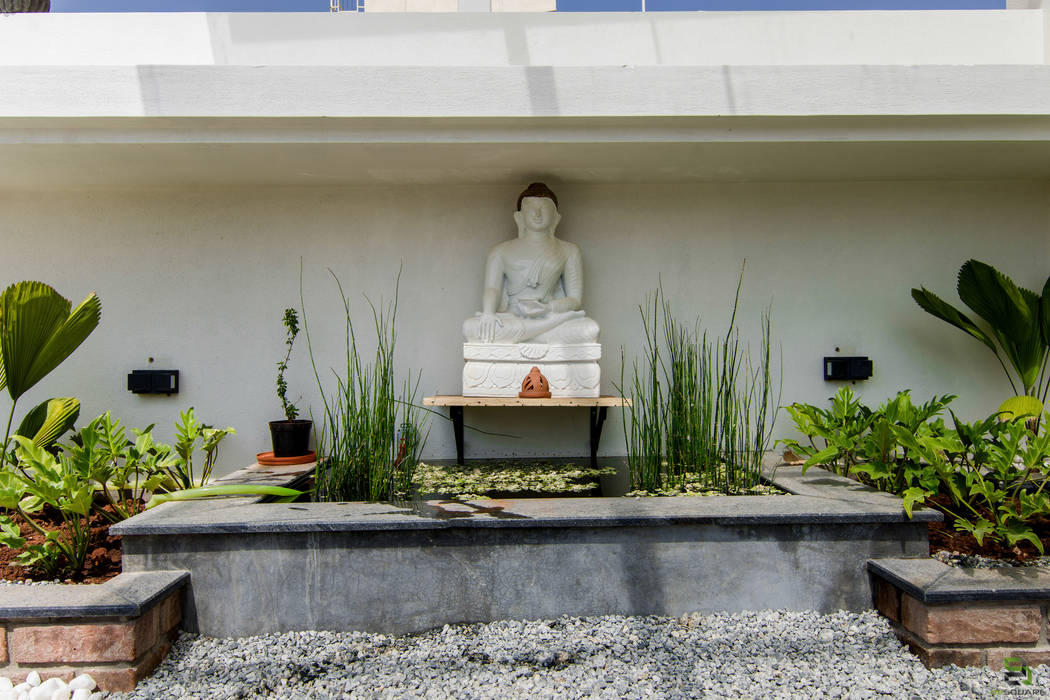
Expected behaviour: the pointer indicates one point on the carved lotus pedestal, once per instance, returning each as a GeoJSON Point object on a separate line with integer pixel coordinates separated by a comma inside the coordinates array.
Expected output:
{"type": "Point", "coordinates": [493, 369]}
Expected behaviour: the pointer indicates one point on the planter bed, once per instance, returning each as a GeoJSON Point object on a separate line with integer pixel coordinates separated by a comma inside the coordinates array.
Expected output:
{"type": "Point", "coordinates": [963, 616]}
{"type": "Point", "coordinates": [117, 631]}
{"type": "Point", "coordinates": [263, 567]}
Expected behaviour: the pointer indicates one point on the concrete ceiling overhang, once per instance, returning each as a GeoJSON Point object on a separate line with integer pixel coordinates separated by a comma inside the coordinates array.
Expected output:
{"type": "Point", "coordinates": [237, 126]}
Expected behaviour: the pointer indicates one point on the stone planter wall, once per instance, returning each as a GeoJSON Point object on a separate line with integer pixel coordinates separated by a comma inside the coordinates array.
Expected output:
{"type": "Point", "coordinates": [258, 568]}
{"type": "Point", "coordinates": [967, 617]}
{"type": "Point", "coordinates": [117, 632]}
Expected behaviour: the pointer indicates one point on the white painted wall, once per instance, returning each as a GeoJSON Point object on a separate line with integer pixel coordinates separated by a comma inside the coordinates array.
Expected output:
{"type": "Point", "coordinates": [525, 39]}
{"type": "Point", "coordinates": [199, 278]}
{"type": "Point", "coordinates": [153, 157]}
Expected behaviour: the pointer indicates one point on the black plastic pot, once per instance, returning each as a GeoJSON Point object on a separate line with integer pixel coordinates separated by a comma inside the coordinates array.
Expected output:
{"type": "Point", "coordinates": [290, 438]}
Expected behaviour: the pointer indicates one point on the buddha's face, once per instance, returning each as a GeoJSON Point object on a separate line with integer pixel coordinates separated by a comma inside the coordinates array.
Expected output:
{"type": "Point", "coordinates": [538, 213]}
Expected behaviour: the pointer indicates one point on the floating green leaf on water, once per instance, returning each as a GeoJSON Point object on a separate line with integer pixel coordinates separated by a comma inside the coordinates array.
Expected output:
{"type": "Point", "coordinates": [481, 478]}
{"type": "Point", "coordinates": [700, 486]}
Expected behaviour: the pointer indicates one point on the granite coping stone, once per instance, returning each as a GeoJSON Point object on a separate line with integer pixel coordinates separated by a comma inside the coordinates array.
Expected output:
{"type": "Point", "coordinates": [127, 595]}
{"type": "Point", "coordinates": [817, 497]}
{"type": "Point", "coordinates": [932, 581]}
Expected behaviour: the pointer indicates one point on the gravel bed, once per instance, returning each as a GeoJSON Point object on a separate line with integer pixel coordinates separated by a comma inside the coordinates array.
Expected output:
{"type": "Point", "coordinates": [752, 654]}
{"type": "Point", "coordinates": [56, 582]}
{"type": "Point", "coordinates": [976, 561]}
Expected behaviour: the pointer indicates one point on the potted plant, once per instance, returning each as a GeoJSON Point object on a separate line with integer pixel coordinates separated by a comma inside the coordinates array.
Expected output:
{"type": "Point", "coordinates": [290, 437]}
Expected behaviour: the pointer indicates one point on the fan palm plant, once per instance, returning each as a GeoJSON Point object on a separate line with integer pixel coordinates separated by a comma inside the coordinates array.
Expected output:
{"type": "Point", "coordinates": [38, 330]}
{"type": "Point", "coordinates": [1018, 327]}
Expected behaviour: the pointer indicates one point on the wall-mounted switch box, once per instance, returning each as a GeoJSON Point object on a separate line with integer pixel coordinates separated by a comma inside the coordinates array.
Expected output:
{"type": "Point", "coordinates": [847, 368]}
{"type": "Point", "coordinates": [154, 381]}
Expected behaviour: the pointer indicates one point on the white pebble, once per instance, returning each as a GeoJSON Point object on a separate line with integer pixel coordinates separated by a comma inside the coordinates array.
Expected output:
{"type": "Point", "coordinates": [22, 688]}
{"type": "Point", "coordinates": [81, 694]}
{"type": "Point", "coordinates": [5, 683]}
{"type": "Point", "coordinates": [62, 693]}
{"type": "Point", "coordinates": [8, 695]}
{"type": "Point", "coordinates": [33, 679]}
{"type": "Point", "coordinates": [45, 690]}
{"type": "Point", "coordinates": [83, 681]}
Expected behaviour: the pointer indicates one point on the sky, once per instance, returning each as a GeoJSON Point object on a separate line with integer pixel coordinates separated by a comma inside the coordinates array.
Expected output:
{"type": "Point", "coordinates": [563, 5]}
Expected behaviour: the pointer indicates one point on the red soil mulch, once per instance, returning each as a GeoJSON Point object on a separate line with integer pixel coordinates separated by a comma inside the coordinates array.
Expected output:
{"type": "Point", "coordinates": [103, 558]}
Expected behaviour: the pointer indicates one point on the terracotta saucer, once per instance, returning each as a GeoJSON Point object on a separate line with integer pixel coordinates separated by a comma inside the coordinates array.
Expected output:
{"type": "Point", "coordinates": [267, 459]}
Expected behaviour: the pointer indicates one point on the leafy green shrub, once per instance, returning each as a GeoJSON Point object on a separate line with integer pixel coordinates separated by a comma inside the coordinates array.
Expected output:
{"type": "Point", "coordinates": [42, 479]}
{"type": "Point", "coordinates": [991, 472]}
{"type": "Point", "coordinates": [122, 470]}
{"type": "Point", "coordinates": [882, 443]}
{"type": "Point", "coordinates": [995, 473]}
{"type": "Point", "coordinates": [191, 435]}
{"type": "Point", "coordinates": [101, 470]}
{"type": "Point", "coordinates": [702, 410]}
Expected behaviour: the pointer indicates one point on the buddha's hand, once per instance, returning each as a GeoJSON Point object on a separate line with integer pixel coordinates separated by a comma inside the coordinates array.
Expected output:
{"type": "Point", "coordinates": [488, 324]}
{"type": "Point", "coordinates": [530, 308]}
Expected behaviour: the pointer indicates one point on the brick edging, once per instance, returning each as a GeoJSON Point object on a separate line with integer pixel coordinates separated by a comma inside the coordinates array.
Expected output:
{"type": "Point", "coordinates": [118, 639]}
{"type": "Point", "coordinates": [967, 617]}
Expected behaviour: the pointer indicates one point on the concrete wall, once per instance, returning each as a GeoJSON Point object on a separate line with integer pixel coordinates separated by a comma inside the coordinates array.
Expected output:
{"type": "Point", "coordinates": [257, 568]}
{"type": "Point", "coordinates": [538, 39]}
{"type": "Point", "coordinates": [204, 154]}
{"type": "Point", "coordinates": [198, 279]}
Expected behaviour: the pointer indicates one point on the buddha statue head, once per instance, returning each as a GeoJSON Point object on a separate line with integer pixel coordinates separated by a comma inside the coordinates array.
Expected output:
{"type": "Point", "coordinates": [537, 210]}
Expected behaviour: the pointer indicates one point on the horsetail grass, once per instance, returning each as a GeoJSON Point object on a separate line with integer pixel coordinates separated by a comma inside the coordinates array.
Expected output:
{"type": "Point", "coordinates": [370, 439]}
{"type": "Point", "coordinates": [702, 409]}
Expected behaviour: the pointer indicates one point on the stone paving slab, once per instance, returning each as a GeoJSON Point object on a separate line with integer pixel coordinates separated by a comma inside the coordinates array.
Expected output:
{"type": "Point", "coordinates": [268, 475]}
{"type": "Point", "coordinates": [241, 516]}
{"type": "Point", "coordinates": [931, 581]}
{"type": "Point", "coordinates": [127, 595]}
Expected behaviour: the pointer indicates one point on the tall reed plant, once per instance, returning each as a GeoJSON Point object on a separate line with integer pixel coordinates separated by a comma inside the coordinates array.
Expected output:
{"type": "Point", "coordinates": [371, 435]}
{"type": "Point", "coordinates": [702, 409]}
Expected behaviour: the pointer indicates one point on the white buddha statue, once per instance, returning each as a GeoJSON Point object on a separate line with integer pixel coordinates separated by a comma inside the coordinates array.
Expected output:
{"type": "Point", "coordinates": [530, 310]}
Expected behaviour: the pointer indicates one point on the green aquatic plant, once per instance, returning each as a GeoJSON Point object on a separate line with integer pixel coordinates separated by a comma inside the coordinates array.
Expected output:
{"type": "Point", "coordinates": [701, 409]}
{"type": "Point", "coordinates": [371, 436]}
{"type": "Point", "coordinates": [502, 477]}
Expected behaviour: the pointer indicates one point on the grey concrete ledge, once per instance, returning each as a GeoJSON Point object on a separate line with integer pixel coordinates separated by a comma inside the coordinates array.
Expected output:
{"type": "Point", "coordinates": [200, 92]}
{"type": "Point", "coordinates": [127, 595]}
{"type": "Point", "coordinates": [934, 582]}
{"type": "Point", "coordinates": [818, 497]}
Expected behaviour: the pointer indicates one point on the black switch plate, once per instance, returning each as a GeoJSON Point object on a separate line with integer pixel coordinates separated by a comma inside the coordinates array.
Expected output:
{"type": "Point", "coordinates": [154, 381]}
{"type": "Point", "coordinates": [847, 368]}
